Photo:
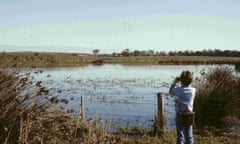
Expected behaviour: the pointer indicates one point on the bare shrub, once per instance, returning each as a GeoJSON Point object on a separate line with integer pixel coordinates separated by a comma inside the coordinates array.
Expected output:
{"type": "Point", "coordinates": [217, 99]}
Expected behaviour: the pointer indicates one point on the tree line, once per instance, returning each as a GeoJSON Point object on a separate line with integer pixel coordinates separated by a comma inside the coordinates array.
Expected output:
{"type": "Point", "coordinates": [208, 52]}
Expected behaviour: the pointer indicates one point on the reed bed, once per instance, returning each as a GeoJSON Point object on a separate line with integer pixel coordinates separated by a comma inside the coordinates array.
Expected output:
{"type": "Point", "coordinates": [237, 66]}
{"type": "Point", "coordinates": [217, 100]}
{"type": "Point", "coordinates": [31, 117]}
{"type": "Point", "coordinates": [29, 59]}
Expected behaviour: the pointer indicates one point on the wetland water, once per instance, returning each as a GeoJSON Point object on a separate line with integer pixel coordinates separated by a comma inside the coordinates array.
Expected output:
{"type": "Point", "coordinates": [125, 94]}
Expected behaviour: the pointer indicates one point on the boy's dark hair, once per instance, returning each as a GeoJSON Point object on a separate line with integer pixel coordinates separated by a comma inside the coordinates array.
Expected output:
{"type": "Point", "coordinates": [186, 78]}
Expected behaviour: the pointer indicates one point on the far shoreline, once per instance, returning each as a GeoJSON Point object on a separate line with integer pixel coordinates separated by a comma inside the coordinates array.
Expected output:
{"type": "Point", "coordinates": [36, 60]}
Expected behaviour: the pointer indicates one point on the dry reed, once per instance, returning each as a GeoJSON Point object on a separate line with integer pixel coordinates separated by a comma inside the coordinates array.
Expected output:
{"type": "Point", "coordinates": [217, 99]}
{"type": "Point", "coordinates": [31, 117]}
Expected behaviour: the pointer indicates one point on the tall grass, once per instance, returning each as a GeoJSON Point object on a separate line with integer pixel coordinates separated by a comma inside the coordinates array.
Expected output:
{"type": "Point", "coordinates": [237, 66]}
{"type": "Point", "coordinates": [31, 117]}
{"type": "Point", "coordinates": [217, 100]}
{"type": "Point", "coordinates": [10, 107]}
{"type": "Point", "coordinates": [29, 59]}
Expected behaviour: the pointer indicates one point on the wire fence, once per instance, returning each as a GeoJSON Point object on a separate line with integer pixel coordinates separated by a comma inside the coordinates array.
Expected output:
{"type": "Point", "coordinates": [129, 113]}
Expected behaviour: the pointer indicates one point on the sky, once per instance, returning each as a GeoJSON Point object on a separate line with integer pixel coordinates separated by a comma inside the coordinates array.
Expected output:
{"type": "Point", "coordinates": [114, 25]}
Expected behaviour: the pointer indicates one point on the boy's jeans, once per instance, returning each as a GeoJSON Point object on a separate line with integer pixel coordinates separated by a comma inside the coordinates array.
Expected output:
{"type": "Point", "coordinates": [183, 132]}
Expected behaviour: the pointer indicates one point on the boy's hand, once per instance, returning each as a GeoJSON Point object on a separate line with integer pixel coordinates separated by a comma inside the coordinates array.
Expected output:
{"type": "Point", "coordinates": [177, 79]}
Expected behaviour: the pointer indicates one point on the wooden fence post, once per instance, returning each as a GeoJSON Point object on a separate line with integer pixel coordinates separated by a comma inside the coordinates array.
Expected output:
{"type": "Point", "coordinates": [82, 107]}
{"type": "Point", "coordinates": [160, 115]}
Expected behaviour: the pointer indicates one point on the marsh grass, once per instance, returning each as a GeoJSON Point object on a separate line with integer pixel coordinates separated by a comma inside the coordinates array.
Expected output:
{"type": "Point", "coordinates": [9, 107]}
{"type": "Point", "coordinates": [217, 100]}
{"type": "Point", "coordinates": [237, 66]}
{"type": "Point", "coordinates": [31, 117]}
{"type": "Point", "coordinates": [30, 59]}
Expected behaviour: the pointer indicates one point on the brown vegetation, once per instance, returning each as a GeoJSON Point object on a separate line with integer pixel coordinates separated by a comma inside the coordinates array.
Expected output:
{"type": "Point", "coordinates": [237, 66]}
{"type": "Point", "coordinates": [30, 117]}
{"type": "Point", "coordinates": [64, 60]}
{"type": "Point", "coordinates": [217, 100]}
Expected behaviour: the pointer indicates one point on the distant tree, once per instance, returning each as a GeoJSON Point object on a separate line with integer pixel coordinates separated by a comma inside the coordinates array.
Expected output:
{"type": "Point", "coordinates": [187, 53]}
{"type": "Point", "coordinates": [136, 53]}
{"type": "Point", "coordinates": [114, 54]}
{"type": "Point", "coordinates": [204, 52]}
{"type": "Point", "coordinates": [150, 52]}
{"type": "Point", "coordinates": [126, 52]}
{"type": "Point", "coordinates": [172, 53]}
{"type": "Point", "coordinates": [96, 51]}
{"type": "Point", "coordinates": [162, 53]}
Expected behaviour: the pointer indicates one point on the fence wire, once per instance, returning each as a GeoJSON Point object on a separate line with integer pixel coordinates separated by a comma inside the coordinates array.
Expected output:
{"type": "Point", "coordinates": [136, 114]}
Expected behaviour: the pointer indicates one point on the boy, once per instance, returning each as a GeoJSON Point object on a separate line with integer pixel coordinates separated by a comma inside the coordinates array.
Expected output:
{"type": "Point", "coordinates": [184, 105]}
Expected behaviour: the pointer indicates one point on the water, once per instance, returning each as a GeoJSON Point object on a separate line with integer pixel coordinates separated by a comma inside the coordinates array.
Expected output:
{"type": "Point", "coordinates": [124, 94]}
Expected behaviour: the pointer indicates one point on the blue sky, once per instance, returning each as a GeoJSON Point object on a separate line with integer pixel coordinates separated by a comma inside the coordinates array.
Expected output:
{"type": "Point", "coordinates": [113, 25]}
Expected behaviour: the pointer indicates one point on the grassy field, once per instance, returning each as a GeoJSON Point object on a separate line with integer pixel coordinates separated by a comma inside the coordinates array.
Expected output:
{"type": "Point", "coordinates": [64, 60]}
